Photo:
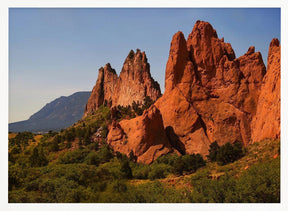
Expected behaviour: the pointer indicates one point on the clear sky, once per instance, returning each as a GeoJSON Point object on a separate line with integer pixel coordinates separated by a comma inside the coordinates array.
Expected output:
{"type": "Point", "coordinates": [56, 52]}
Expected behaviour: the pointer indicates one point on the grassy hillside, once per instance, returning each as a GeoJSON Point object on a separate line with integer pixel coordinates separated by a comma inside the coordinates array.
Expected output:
{"type": "Point", "coordinates": [76, 165]}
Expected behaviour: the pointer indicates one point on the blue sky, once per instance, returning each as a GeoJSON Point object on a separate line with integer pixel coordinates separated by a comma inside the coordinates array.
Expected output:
{"type": "Point", "coordinates": [56, 52]}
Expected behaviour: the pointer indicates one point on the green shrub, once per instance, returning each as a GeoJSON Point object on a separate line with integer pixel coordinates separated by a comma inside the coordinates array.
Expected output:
{"type": "Point", "coordinates": [169, 159]}
{"type": "Point", "coordinates": [159, 171]}
{"type": "Point", "coordinates": [213, 151]}
{"type": "Point", "coordinates": [105, 154]}
{"type": "Point", "coordinates": [75, 156]}
{"type": "Point", "coordinates": [260, 183]}
{"type": "Point", "coordinates": [126, 169]}
{"type": "Point", "coordinates": [141, 171]}
{"type": "Point", "coordinates": [92, 159]}
{"type": "Point", "coordinates": [38, 158]}
{"type": "Point", "coordinates": [188, 163]}
{"type": "Point", "coordinates": [229, 153]}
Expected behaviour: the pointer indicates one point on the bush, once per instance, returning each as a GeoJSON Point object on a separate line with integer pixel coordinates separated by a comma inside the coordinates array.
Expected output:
{"type": "Point", "coordinates": [260, 183]}
{"type": "Point", "coordinates": [38, 158]}
{"type": "Point", "coordinates": [126, 169]}
{"type": "Point", "coordinates": [159, 171]}
{"type": "Point", "coordinates": [193, 162]}
{"type": "Point", "coordinates": [229, 153]}
{"type": "Point", "coordinates": [76, 156]}
{"type": "Point", "coordinates": [53, 146]}
{"type": "Point", "coordinates": [141, 171]}
{"type": "Point", "coordinates": [92, 159]}
{"type": "Point", "coordinates": [225, 154]}
{"type": "Point", "coordinates": [105, 154]}
{"type": "Point", "coordinates": [188, 163]}
{"type": "Point", "coordinates": [213, 191]}
{"type": "Point", "coordinates": [213, 151]}
{"type": "Point", "coordinates": [169, 159]}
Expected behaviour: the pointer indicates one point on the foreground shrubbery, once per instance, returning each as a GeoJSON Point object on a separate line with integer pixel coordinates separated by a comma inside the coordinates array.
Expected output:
{"type": "Point", "coordinates": [259, 184]}
{"type": "Point", "coordinates": [51, 170]}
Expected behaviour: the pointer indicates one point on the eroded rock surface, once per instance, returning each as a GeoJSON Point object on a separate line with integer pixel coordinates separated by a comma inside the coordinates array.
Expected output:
{"type": "Point", "coordinates": [144, 135]}
{"type": "Point", "coordinates": [209, 94]}
{"type": "Point", "coordinates": [266, 122]}
{"type": "Point", "coordinates": [133, 84]}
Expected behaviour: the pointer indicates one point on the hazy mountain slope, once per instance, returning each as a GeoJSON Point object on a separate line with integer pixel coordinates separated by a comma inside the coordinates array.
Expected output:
{"type": "Point", "coordinates": [60, 113]}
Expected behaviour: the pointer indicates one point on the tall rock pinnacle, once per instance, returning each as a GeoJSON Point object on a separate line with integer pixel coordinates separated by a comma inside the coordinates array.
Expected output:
{"type": "Point", "coordinates": [210, 95]}
{"type": "Point", "coordinates": [133, 84]}
{"type": "Point", "coordinates": [266, 122]}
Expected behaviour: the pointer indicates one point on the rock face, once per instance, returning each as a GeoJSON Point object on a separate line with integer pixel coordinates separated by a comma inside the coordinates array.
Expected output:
{"type": "Point", "coordinates": [144, 135]}
{"type": "Point", "coordinates": [209, 94]}
{"type": "Point", "coordinates": [133, 84]}
{"type": "Point", "coordinates": [266, 122]}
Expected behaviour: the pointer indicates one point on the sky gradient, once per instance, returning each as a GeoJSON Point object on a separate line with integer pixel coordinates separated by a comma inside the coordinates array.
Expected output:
{"type": "Point", "coordinates": [56, 52]}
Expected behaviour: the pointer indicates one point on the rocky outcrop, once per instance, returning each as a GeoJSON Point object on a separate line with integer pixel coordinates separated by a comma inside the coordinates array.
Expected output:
{"type": "Point", "coordinates": [209, 94]}
{"type": "Point", "coordinates": [103, 90]}
{"type": "Point", "coordinates": [266, 122]}
{"type": "Point", "coordinates": [144, 136]}
{"type": "Point", "coordinates": [133, 84]}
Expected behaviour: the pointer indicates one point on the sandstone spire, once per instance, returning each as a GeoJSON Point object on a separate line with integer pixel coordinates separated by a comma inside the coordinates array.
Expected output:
{"type": "Point", "coordinates": [266, 122]}
{"type": "Point", "coordinates": [134, 84]}
{"type": "Point", "coordinates": [210, 95]}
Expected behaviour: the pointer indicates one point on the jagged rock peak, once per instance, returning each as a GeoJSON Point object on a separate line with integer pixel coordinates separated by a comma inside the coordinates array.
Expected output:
{"type": "Point", "coordinates": [178, 57]}
{"type": "Point", "coordinates": [109, 68]}
{"type": "Point", "coordinates": [266, 122]}
{"type": "Point", "coordinates": [274, 42]}
{"type": "Point", "coordinates": [210, 94]}
{"type": "Point", "coordinates": [204, 29]}
{"type": "Point", "coordinates": [250, 51]}
{"type": "Point", "coordinates": [136, 57]}
{"type": "Point", "coordinates": [133, 84]}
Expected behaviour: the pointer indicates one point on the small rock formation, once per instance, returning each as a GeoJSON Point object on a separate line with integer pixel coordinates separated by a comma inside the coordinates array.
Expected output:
{"type": "Point", "coordinates": [209, 94]}
{"type": "Point", "coordinates": [266, 122]}
{"type": "Point", "coordinates": [133, 84]}
{"type": "Point", "coordinates": [144, 135]}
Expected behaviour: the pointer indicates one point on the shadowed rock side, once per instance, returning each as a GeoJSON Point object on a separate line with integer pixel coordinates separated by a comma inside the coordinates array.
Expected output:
{"type": "Point", "coordinates": [209, 94]}
{"type": "Point", "coordinates": [144, 135]}
{"type": "Point", "coordinates": [133, 84]}
{"type": "Point", "coordinates": [266, 122]}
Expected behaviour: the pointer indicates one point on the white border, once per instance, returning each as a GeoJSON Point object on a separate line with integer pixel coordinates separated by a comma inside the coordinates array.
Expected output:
{"type": "Point", "coordinates": [130, 4]}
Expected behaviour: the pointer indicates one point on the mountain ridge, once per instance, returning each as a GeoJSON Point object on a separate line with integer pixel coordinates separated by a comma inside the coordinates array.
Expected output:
{"type": "Point", "coordinates": [55, 115]}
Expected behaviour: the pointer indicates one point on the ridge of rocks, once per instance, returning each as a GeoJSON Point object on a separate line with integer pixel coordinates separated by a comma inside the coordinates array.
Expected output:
{"type": "Point", "coordinates": [210, 95]}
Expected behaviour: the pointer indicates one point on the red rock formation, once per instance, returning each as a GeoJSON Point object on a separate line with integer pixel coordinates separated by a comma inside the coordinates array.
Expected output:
{"type": "Point", "coordinates": [209, 94]}
{"type": "Point", "coordinates": [266, 122]}
{"type": "Point", "coordinates": [103, 90]}
{"type": "Point", "coordinates": [144, 135]}
{"type": "Point", "coordinates": [133, 84]}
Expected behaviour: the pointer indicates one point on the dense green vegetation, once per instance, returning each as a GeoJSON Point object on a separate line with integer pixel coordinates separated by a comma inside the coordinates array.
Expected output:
{"type": "Point", "coordinates": [71, 166]}
{"type": "Point", "coordinates": [259, 184]}
{"type": "Point", "coordinates": [225, 154]}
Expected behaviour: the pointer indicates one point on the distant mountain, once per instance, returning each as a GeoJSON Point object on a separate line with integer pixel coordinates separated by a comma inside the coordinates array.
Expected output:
{"type": "Point", "coordinates": [58, 114]}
